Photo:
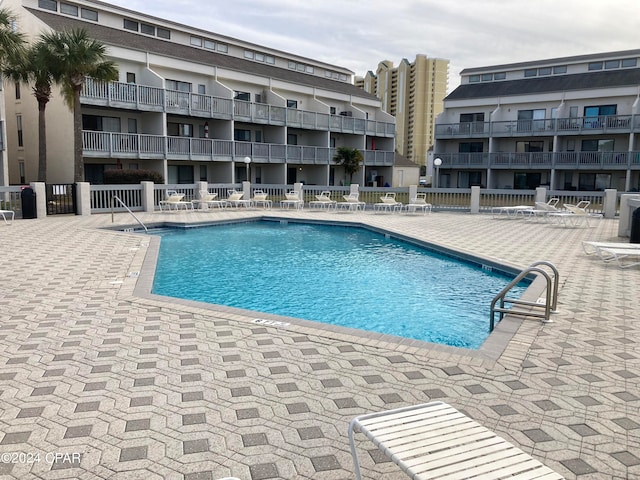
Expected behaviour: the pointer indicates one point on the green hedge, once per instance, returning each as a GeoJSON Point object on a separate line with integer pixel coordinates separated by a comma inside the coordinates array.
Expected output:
{"type": "Point", "coordinates": [124, 177]}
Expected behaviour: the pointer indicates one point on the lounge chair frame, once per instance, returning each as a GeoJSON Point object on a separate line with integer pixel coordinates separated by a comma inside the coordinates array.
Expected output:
{"type": "Point", "coordinates": [435, 440]}
{"type": "Point", "coordinates": [4, 214]}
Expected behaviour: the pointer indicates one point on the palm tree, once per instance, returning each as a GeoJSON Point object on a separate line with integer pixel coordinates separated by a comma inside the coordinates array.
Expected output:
{"type": "Point", "coordinates": [38, 66]}
{"type": "Point", "coordinates": [11, 41]}
{"type": "Point", "coordinates": [350, 159]}
{"type": "Point", "coordinates": [79, 56]}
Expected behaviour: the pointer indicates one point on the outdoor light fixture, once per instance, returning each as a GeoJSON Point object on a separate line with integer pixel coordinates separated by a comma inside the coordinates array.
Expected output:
{"type": "Point", "coordinates": [437, 162]}
{"type": "Point", "coordinates": [247, 162]}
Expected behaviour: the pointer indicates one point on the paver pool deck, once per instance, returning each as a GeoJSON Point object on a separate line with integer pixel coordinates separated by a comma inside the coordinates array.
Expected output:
{"type": "Point", "coordinates": [135, 386]}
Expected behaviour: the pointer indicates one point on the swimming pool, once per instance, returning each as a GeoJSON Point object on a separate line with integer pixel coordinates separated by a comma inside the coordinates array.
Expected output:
{"type": "Point", "coordinates": [345, 276]}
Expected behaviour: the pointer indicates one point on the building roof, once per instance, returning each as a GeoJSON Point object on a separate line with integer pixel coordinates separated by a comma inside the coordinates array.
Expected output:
{"type": "Point", "coordinates": [402, 161]}
{"type": "Point", "coordinates": [133, 41]}
{"type": "Point", "coordinates": [554, 83]}
{"type": "Point", "coordinates": [551, 61]}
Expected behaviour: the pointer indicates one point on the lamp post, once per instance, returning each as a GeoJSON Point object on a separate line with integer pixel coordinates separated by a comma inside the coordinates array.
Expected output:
{"type": "Point", "coordinates": [437, 162]}
{"type": "Point", "coordinates": [247, 162]}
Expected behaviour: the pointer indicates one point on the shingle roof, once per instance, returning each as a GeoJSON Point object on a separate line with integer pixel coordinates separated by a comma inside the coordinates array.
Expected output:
{"type": "Point", "coordinates": [122, 38]}
{"type": "Point", "coordinates": [556, 83]}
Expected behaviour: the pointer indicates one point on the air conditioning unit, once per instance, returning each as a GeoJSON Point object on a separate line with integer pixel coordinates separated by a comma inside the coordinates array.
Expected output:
{"type": "Point", "coordinates": [347, 113]}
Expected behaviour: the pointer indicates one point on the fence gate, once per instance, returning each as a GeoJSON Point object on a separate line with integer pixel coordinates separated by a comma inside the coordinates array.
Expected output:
{"type": "Point", "coordinates": [61, 199]}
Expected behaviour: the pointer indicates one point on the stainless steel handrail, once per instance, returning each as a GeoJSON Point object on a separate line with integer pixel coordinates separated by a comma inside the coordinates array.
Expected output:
{"type": "Point", "coordinates": [115, 197]}
{"type": "Point", "coordinates": [551, 300]}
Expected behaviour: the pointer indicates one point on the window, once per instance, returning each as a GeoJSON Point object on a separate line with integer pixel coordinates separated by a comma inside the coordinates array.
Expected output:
{"type": "Point", "coordinates": [527, 147]}
{"type": "Point", "coordinates": [69, 9]}
{"type": "Point", "coordinates": [221, 47]}
{"type": "Point", "coordinates": [558, 69]}
{"type": "Point", "coordinates": [244, 96]}
{"type": "Point", "coordinates": [471, 122]}
{"type": "Point", "coordinates": [594, 181]}
{"type": "Point", "coordinates": [132, 125]}
{"type": "Point", "coordinates": [486, 77]}
{"type": "Point", "coordinates": [526, 180]}
{"type": "Point", "coordinates": [474, 78]}
{"type": "Point", "coordinates": [595, 145]}
{"type": "Point", "coordinates": [610, 64]}
{"type": "Point", "coordinates": [131, 77]}
{"type": "Point", "coordinates": [178, 85]}
{"type": "Point", "coordinates": [210, 44]}
{"type": "Point", "coordinates": [629, 62]}
{"type": "Point", "coordinates": [470, 147]}
{"type": "Point", "coordinates": [100, 124]}
{"type": "Point", "coordinates": [48, 5]}
{"type": "Point", "coordinates": [308, 69]}
{"type": "Point", "coordinates": [248, 54]}
{"type": "Point", "coordinates": [529, 120]}
{"type": "Point", "coordinates": [500, 76]}
{"type": "Point", "coordinates": [469, 179]}
{"type": "Point", "coordinates": [180, 174]}
{"type": "Point", "coordinates": [292, 139]}
{"type": "Point", "coordinates": [89, 14]}
{"type": "Point", "coordinates": [179, 129]}
{"type": "Point", "coordinates": [202, 89]}
{"type": "Point", "coordinates": [242, 135]}
{"type": "Point", "coordinates": [17, 90]}
{"type": "Point", "coordinates": [260, 57]}
{"type": "Point", "coordinates": [147, 29]}
{"type": "Point", "coordinates": [130, 25]}
{"type": "Point", "coordinates": [531, 72]}
{"type": "Point", "coordinates": [19, 125]}
{"type": "Point", "coordinates": [595, 66]}
{"type": "Point", "coordinates": [163, 33]}
{"type": "Point", "coordinates": [292, 104]}
{"type": "Point", "coordinates": [544, 71]}
{"type": "Point", "coordinates": [332, 110]}
{"type": "Point", "coordinates": [269, 59]}
{"type": "Point", "coordinates": [196, 41]}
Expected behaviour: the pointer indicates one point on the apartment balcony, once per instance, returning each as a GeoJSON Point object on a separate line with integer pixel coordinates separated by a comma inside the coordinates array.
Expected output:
{"type": "Point", "coordinates": [614, 124]}
{"type": "Point", "coordinates": [150, 147]}
{"type": "Point", "coordinates": [542, 160]}
{"type": "Point", "coordinates": [153, 99]}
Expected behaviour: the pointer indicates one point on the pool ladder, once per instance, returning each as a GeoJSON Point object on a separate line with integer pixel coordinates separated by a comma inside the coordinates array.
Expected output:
{"type": "Point", "coordinates": [115, 197]}
{"type": "Point", "coordinates": [548, 307]}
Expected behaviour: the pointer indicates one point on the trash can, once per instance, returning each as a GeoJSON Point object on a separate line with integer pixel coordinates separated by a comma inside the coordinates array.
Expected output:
{"type": "Point", "coordinates": [635, 226]}
{"type": "Point", "coordinates": [28, 199]}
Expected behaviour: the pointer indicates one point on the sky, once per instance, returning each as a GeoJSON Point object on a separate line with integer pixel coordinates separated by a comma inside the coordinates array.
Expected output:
{"type": "Point", "coordinates": [358, 34]}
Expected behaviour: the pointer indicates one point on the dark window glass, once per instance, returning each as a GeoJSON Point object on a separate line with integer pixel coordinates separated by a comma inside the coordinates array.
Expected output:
{"type": "Point", "coordinates": [629, 62]}
{"type": "Point", "coordinates": [130, 25]}
{"type": "Point", "coordinates": [595, 66]}
{"type": "Point", "coordinates": [48, 4]}
{"type": "Point", "coordinates": [89, 14]}
{"type": "Point", "coordinates": [69, 9]}
{"type": "Point", "coordinates": [163, 33]}
{"type": "Point", "coordinates": [147, 29]}
{"type": "Point", "coordinates": [531, 72]}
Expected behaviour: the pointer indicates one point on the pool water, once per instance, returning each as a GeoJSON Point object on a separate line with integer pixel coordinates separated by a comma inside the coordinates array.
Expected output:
{"type": "Point", "coordinates": [344, 276]}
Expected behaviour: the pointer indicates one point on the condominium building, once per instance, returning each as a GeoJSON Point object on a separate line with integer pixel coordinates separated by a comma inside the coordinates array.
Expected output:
{"type": "Point", "coordinates": [413, 93]}
{"type": "Point", "coordinates": [569, 123]}
{"type": "Point", "coordinates": [195, 106]}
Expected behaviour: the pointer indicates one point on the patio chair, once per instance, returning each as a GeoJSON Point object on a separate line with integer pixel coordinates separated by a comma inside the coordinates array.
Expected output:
{"type": "Point", "coordinates": [4, 214]}
{"type": "Point", "coordinates": [592, 248]}
{"type": "Point", "coordinates": [419, 202]}
{"type": "Point", "coordinates": [574, 215]}
{"type": "Point", "coordinates": [351, 202]}
{"type": "Point", "coordinates": [174, 200]}
{"type": "Point", "coordinates": [208, 200]}
{"type": "Point", "coordinates": [542, 209]}
{"type": "Point", "coordinates": [323, 200]}
{"type": "Point", "coordinates": [625, 257]}
{"type": "Point", "coordinates": [388, 203]}
{"type": "Point", "coordinates": [511, 211]}
{"type": "Point", "coordinates": [234, 199]}
{"type": "Point", "coordinates": [434, 440]}
{"type": "Point", "coordinates": [260, 199]}
{"type": "Point", "coordinates": [292, 199]}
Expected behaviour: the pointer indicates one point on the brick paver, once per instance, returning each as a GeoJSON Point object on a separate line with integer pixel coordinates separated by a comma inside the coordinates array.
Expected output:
{"type": "Point", "coordinates": [131, 385]}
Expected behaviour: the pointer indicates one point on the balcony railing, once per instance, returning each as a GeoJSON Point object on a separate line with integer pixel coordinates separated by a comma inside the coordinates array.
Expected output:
{"type": "Point", "coordinates": [541, 160]}
{"type": "Point", "coordinates": [128, 145]}
{"type": "Point", "coordinates": [542, 127]}
{"type": "Point", "coordinates": [140, 97]}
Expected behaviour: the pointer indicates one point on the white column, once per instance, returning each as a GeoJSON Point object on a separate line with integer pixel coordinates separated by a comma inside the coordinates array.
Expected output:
{"type": "Point", "coordinates": [148, 202]}
{"type": "Point", "coordinates": [541, 195]}
{"type": "Point", "coordinates": [83, 198]}
{"type": "Point", "coordinates": [41, 198]}
{"type": "Point", "coordinates": [475, 199]}
{"type": "Point", "coordinates": [610, 201]}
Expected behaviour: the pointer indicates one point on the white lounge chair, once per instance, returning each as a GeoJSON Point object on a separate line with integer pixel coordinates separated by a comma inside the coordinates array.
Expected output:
{"type": "Point", "coordinates": [351, 202]}
{"type": "Point", "coordinates": [292, 199]}
{"type": "Point", "coordinates": [208, 200]}
{"type": "Point", "coordinates": [388, 203]}
{"type": "Point", "coordinates": [574, 215]}
{"type": "Point", "coordinates": [434, 440]}
{"type": "Point", "coordinates": [175, 201]}
{"type": "Point", "coordinates": [4, 214]}
{"type": "Point", "coordinates": [591, 247]}
{"type": "Point", "coordinates": [542, 209]}
{"type": "Point", "coordinates": [235, 199]}
{"type": "Point", "coordinates": [260, 199]}
{"type": "Point", "coordinates": [625, 257]}
{"type": "Point", "coordinates": [511, 211]}
{"type": "Point", "coordinates": [419, 202]}
{"type": "Point", "coordinates": [323, 200]}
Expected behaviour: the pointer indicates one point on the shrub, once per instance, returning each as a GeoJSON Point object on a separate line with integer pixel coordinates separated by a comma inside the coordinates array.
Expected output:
{"type": "Point", "coordinates": [120, 177]}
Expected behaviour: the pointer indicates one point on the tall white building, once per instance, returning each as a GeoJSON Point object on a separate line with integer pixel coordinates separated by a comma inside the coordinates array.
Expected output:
{"type": "Point", "coordinates": [193, 104]}
{"type": "Point", "coordinates": [569, 123]}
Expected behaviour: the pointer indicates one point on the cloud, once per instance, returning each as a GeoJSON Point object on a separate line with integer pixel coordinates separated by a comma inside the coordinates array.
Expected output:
{"type": "Point", "coordinates": [358, 34]}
